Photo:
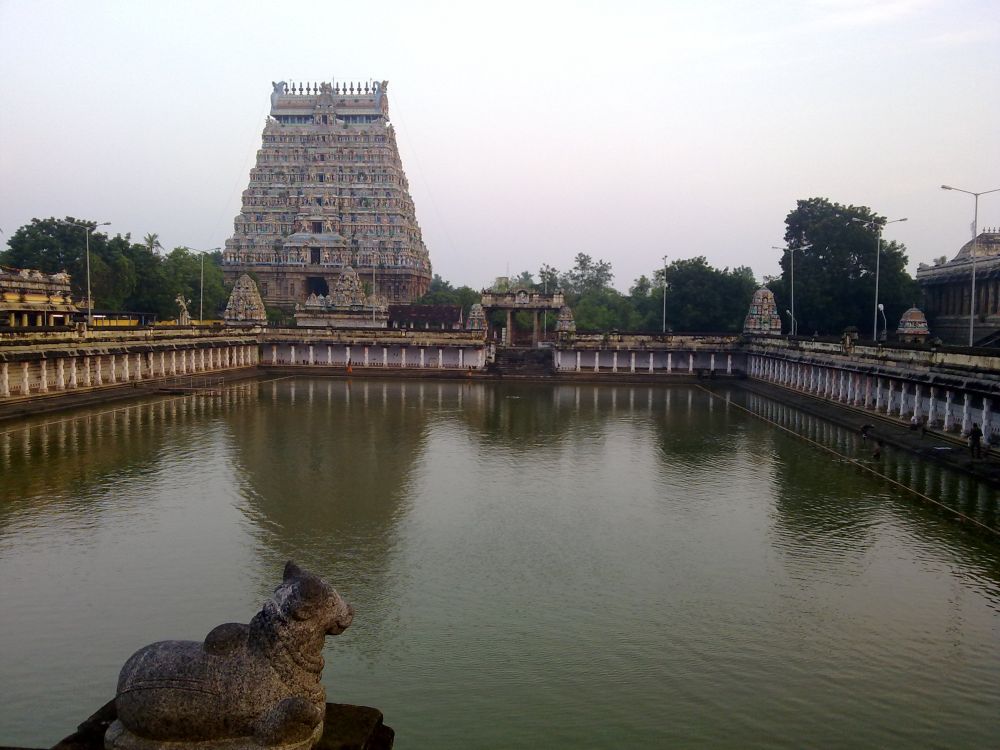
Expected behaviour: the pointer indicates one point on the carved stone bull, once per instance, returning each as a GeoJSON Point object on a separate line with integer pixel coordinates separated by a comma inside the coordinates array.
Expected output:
{"type": "Point", "coordinates": [245, 687]}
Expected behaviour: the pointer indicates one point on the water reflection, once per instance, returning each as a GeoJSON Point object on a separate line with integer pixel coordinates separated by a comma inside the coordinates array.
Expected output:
{"type": "Point", "coordinates": [528, 551]}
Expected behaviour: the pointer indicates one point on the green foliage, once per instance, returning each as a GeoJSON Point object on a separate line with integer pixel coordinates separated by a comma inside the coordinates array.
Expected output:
{"type": "Point", "coordinates": [835, 260]}
{"type": "Point", "coordinates": [125, 275]}
{"type": "Point", "coordinates": [703, 298]}
{"type": "Point", "coordinates": [587, 276]}
{"type": "Point", "coordinates": [441, 292]}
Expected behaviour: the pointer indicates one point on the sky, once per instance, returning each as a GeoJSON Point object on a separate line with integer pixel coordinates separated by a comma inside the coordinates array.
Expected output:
{"type": "Point", "coordinates": [529, 131]}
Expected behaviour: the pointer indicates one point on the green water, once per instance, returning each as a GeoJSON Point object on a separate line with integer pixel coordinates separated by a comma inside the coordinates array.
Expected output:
{"type": "Point", "coordinates": [531, 566]}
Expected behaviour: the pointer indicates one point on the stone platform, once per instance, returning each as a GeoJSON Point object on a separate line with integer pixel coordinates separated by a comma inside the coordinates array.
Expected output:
{"type": "Point", "coordinates": [345, 727]}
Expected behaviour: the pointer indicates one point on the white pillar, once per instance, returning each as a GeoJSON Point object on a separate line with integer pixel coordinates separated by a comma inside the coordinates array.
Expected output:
{"type": "Point", "coordinates": [902, 398]}
{"type": "Point", "coordinates": [966, 417]}
{"type": "Point", "coordinates": [312, 355]}
{"type": "Point", "coordinates": [949, 417]}
{"type": "Point", "coordinates": [87, 377]}
{"type": "Point", "coordinates": [461, 357]}
{"type": "Point", "coordinates": [614, 361]}
{"type": "Point", "coordinates": [711, 362]}
{"type": "Point", "coordinates": [201, 359]}
{"type": "Point", "coordinates": [402, 356]}
{"type": "Point", "coordinates": [932, 407]}
{"type": "Point", "coordinates": [631, 361]}
{"type": "Point", "coordinates": [888, 398]}
{"type": "Point", "coordinates": [4, 380]}
{"type": "Point", "coordinates": [729, 364]}
{"type": "Point", "coordinates": [916, 402]}
{"type": "Point", "coordinates": [987, 424]}
{"type": "Point", "coordinates": [43, 381]}
{"type": "Point", "coordinates": [347, 355]}
{"type": "Point", "coordinates": [670, 362]}
{"type": "Point", "coordinates": [72, 372]}
{"type": "Point", "coordinates": [113, 369]}
{"type": "Point", "coordinates": [440, 359]}
{"type": "Point", "coordinates": [366, 356]}
{"type": "Point", "coordinates": [61, 374]}
{"type": "Point", "coordinates": [422, 364]}
{"type": "Point", "coordinates": [691, 362]}
{"type": "Point", "coordinates": [293, 354]}
{"type": "Point", "coordinates": [385, 357]}
{"type": "Point", "coordinates": [650, 362]}
{"type": "Point", "coordinates": [25, 381]}
{"type": "Point", "coordinates": [125, 368]}
{"type": "Point", "coordinates": [878, 393]}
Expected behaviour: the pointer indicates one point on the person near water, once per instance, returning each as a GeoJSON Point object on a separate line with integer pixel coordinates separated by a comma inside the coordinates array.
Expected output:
{"type": "Point", "coordinates": [866, 430]}
{"type": "Point", "coordinates": [877, 453]}
{"type": "Point", "coordinates": [975, 440]}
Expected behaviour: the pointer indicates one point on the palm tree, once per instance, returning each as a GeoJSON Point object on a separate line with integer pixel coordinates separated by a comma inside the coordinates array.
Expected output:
{"type": "Point", "coordinates": [152, 242]}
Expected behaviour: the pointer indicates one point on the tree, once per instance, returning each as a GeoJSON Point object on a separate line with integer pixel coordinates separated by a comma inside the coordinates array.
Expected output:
{"type": "Point", "coordinates": [835, 259]}
{"type": "Point", "coordinates": [52, 245]}
{"type": "Point", "coordinates": [703, 298]}
{"type": "Point", "coordinates": [125, 275]}
{"type": "Point", "coordinates": [441, 292]}
{"type": "Point", "coordinates": [182, 275]}
{"type": "Point", "coordinates": [587, 275]}
{"type": "Point", "coordinates": [152, 242]}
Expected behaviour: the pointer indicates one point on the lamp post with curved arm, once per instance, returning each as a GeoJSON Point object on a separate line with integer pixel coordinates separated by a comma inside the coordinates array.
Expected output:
{"type": "Point", "coordinates": [878, 256]}
{"type": "Point", "coordinates": [975, 238]}
{"type": "Point", "coordinates": [88, 228]}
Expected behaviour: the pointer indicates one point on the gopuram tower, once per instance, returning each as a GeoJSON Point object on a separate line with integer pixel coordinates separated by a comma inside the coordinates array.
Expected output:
{"type": "Point", "coordinates": [328, 193]}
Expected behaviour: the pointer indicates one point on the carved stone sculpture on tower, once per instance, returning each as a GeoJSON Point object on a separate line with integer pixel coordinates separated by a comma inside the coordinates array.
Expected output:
{"type": "Point", "coordinates": [245, 307]}
{"type": "Point", "coordinates": [477, 318]}
{"type": "Point", "coordinates": [763, 316]}
{"type": "Point", "coordinates": [246, 687]}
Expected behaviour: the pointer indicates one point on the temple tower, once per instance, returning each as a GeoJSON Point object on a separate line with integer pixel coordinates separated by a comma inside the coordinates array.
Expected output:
{"type": "Point", "coordinates": [328, 192]}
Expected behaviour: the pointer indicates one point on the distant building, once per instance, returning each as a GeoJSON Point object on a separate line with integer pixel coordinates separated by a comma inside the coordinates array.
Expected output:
{"type": "Point", "coordinates": [328, 192]}
{"type": "Point", "coordinates": [426, 317]}
{"type": "Point", "coordinates": [32, 299]}
{"type": "Point", "coordinates": [947, 289]}
{"type": "Point", "coordinates": [245, 306]}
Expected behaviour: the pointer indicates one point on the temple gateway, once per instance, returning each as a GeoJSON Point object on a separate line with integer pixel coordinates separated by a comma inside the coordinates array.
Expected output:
{"type": "Point", "coordinates": [328, 193]}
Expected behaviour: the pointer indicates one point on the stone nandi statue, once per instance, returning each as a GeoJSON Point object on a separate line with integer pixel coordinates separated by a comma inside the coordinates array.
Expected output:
{"type": "Point", "coordinates": [245, 687]}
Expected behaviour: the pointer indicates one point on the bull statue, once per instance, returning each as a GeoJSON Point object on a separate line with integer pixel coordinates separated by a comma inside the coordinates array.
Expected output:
{"type": "Point", "coordinates": [246, 687]}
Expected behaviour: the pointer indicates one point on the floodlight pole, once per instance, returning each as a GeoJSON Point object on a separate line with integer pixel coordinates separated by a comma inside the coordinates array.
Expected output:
{"type": "Point", "coordinates": [975, 245]}
{"type": "Point", "coordinates": [88, 228]}
{"type": "Point", "coordinates": [664, 294]}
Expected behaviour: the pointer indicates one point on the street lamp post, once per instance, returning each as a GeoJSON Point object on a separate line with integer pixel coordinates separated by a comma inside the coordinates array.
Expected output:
{"type": "Point", "coordinates": [88, 228]}
{"type": "Point", "coordinates": [975, 243]}
{"type": "Point", "coordinates": [791, 313]}
{"type": "Point", "coordinates": [201, 292]}
{"type": "Point", "coordinates": [664, 293]}
{"type": "Point", "coordinates": [885, 323]}
{"type": "Point", "coordinates": [878, 257]}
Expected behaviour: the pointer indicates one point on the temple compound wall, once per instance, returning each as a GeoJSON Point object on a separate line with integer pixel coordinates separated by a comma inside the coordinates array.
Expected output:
{"type": "Point", "coordinates": [946, 390]}
{"type": "Point", "coordinates": [386, 349]}
{"type": "Point", "coordinates": [327, 193]}
{"type": "Point", "coordinates": [655, 354]}
{"type": "Point", "coordinates": [46, 364]}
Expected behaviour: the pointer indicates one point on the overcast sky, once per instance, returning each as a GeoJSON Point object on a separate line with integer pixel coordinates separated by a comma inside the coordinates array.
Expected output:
{"type": "Point", "coordinates": [529, 131]}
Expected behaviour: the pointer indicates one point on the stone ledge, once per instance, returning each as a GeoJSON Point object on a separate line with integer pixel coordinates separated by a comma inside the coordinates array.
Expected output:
{"type": "Point", "coordinates": [346, 727]}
